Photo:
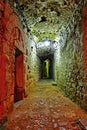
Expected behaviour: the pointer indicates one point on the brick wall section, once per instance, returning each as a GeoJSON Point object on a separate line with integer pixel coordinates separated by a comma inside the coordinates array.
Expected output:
{"type": "Point", "coordinates": [11, 37]}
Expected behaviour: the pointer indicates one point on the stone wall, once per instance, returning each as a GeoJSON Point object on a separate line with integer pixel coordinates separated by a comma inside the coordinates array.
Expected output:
{"type": "Point", "coordinates": [56, 64]}
{"type": "Point", "coordinates": [74, 75]}
{"type": "Point", "coordinates": [85, 49]}
{"type": "Point", "coordinates": [32, 65]}
{"type": "Point", "coordinates": [33, 59]}
{"type": "Point", "coordinates": [71, 77]}
{"type": "Point", "coordinates": [13, 43]}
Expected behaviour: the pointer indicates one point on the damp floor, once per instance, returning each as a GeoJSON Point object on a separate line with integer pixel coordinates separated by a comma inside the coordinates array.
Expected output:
{"type": "Point", "coordinates": [45, 109]}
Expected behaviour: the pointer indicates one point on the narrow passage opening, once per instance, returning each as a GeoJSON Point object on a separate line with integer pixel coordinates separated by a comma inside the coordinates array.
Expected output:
{"type": "Point", "coordinates": [47, 67]}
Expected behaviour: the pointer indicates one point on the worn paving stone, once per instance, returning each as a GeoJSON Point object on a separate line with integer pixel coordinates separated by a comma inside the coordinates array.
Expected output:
{"type": "Point", "coordinates": [46, 109]}
{"type": "Point", "coordinates": [83, 123]}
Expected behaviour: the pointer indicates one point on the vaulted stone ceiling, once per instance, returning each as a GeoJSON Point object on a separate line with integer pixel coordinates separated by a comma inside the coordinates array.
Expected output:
{"type": "Point", "coordinates": [46, 17]}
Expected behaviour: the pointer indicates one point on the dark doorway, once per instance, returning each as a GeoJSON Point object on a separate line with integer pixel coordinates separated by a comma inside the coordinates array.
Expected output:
{"type": "Point", "coordinates": [19, 76]}
{"type": "Point", "coordinates": [47, 67]}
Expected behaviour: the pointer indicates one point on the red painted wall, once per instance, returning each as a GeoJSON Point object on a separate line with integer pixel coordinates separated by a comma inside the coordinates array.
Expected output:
{"type": "Point", "coordinates": [11, 37]}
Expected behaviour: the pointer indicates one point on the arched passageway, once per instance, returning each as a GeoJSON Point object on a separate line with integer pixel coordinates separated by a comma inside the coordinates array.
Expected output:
{"type": "Point", "coordinates": [46, 67]}
{"type": "Point", "coordinates": [60, 56]}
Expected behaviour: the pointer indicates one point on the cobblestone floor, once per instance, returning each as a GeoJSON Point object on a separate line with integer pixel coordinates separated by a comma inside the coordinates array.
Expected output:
{"type": "Point", "coordinates": [45, 109]}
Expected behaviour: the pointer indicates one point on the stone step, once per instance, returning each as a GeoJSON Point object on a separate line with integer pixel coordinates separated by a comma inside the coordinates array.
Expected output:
{"type": "Point", "coordinates": [54, 83]}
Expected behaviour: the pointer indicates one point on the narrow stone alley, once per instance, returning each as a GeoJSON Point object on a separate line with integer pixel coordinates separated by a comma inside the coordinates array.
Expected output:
{"type": "Point", "coordinates": [45, 108]}
{"type": "Point", "coordinates": [39, 40]}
